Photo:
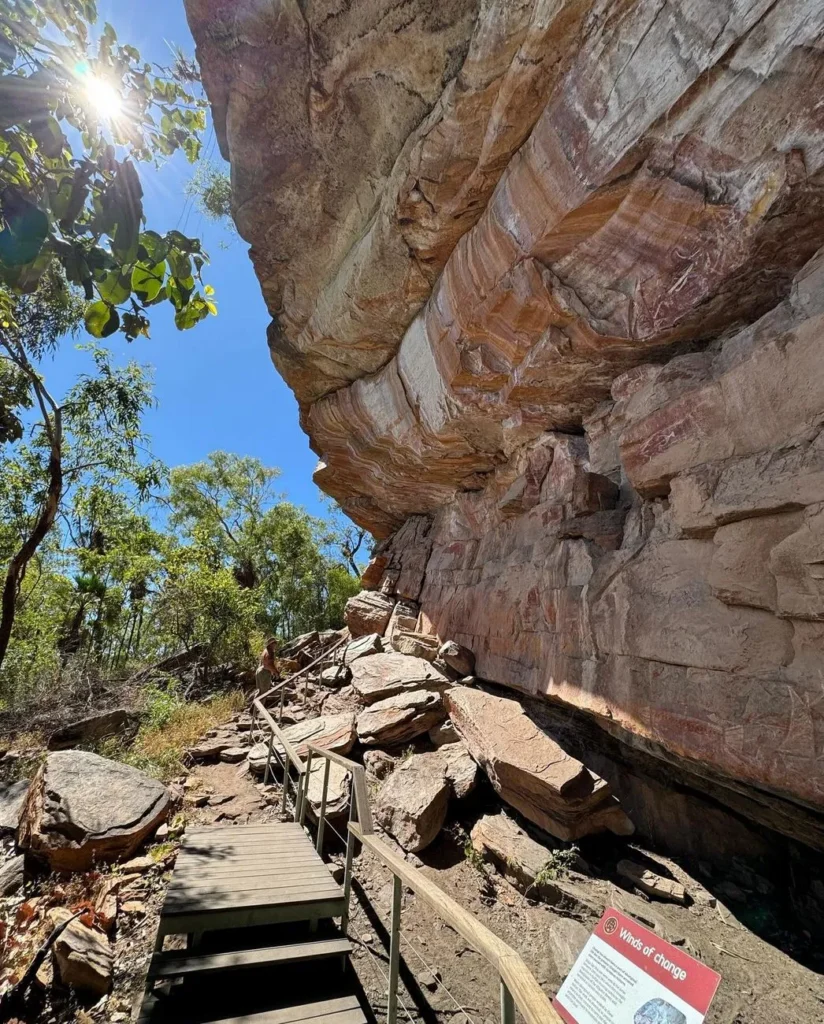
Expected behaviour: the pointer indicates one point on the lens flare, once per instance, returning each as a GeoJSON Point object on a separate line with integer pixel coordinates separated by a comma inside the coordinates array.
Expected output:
{"type": "Point", "coordinates": [106, 100]}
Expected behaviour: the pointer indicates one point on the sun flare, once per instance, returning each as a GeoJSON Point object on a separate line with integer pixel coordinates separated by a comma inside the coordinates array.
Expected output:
{"type": "Point", "coordinates": [105, 99]}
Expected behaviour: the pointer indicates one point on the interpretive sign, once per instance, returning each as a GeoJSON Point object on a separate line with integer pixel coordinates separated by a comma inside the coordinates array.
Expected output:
{"type": "Point", "coordinates": [627, 974]}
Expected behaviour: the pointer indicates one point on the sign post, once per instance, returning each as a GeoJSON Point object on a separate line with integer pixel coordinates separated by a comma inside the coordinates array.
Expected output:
{"type": "Point", "coordinates": [626, 974]}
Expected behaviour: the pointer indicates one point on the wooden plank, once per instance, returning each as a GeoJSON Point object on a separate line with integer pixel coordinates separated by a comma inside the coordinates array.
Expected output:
{"type": "Point", "coordinates": [245, 849]}
{"type": "Point", "coordinates": [240, 842]}
{"type": "Point", "coordinates": [172, 965]}
{"type": "Point", "coordinates": [273, 827]}
{"type": "Point", "coordinates": [262, 863]}
{"type": "Point", "coordinates": [258, 898]}
{"type": "Point", "coordinates": [527, 993]}
{"type": "Point", "coordinates": [184, 923]}
{"type": "Point", "coordinates": [343, 1010]}
{"type": "Point", "coordinates": [230, 887]}
{"type": "Point", "coordinates": [275, 869]}
{"type": "Point", "coordinates": [274, 877]}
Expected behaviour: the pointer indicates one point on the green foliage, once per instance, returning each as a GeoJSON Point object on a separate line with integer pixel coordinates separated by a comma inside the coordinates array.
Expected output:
{"type": "Point", "coordinates": [76, 119]}
{"type": "Point", "coordinates": [211, 188]}
{"type": "Point", "coordinates": [558, 865]}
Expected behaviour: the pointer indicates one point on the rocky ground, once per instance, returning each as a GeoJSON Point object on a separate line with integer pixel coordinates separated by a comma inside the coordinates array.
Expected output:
{"type": "Point", "coordinates": [458, 796]}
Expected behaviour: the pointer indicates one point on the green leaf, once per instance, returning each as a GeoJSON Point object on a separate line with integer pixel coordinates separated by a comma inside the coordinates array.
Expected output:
{"type": "Point", "coordinates": [115, 287]}
{"type": "Point", "coordinates": [101, 319]}
{"type": "Point", "coordinates": [191, 314]}
{"type": "Point", "coordinates": [25, 231]}
{"type": "Point", "coordinates": [147, 280]}
{"type": "Point", "coordinates": [156, 248]}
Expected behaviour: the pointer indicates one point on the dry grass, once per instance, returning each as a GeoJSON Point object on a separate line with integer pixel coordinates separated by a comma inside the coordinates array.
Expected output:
{"type": "Point", "coordinates": [161, 744]}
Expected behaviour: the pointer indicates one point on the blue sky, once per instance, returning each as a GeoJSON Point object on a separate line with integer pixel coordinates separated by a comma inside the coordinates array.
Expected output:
{"type": "Point", "coordinates": [215, 384]}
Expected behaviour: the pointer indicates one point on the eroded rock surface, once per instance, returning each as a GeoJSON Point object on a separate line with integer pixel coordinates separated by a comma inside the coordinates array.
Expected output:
{"type": "Point", "coordinates": [385, 675]}
{"type": "Point", "coordinates": [530, 771]}
{"type": "Point", "coordinates": [82, 808]}
{"type": "Point", "coordinates": [401, 718]}
{"type": "Point", "coordinates": [553, 315]}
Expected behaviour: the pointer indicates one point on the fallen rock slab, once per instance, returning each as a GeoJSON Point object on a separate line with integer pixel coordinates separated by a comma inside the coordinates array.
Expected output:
{"type": "Point", "coordinates": [335, 733]}
{"type": "Point", "coordinates": [83, 808]}
{"type": "Point", "coordinates": [93, 728]}
{"type": "Point", "coordinates": [412, 803]}
{"type": "Point", "coordinates": [385, 675]}
{"type": "Point", "coordinates": [337, 795]}
{"type": "Point", "coordinates": [211, 747]}
{"type": "Point", "coordinates": [334, 676]}
{"type": "Point", "coordinates": [530, 771]}
{"type": "Point", "coordinates": [651, 884]}
{"type": "Point", "coordinates": [233, 755]}
{"type": "Point", "coordinates": [444, 733]}
{"type": "Point", "coordinates": [524, 862]}
{"type": "Point", "coordinates": [459, 768]}
{"type": "Point", "coordinates": [459, 658]}
{"type": "Point", "coordinates": [83, 955]}
{"type": "Point", "coordinates": [400, 718]}
{"type": "Point", "coordinates": [415, 645]}
{"type": "Point", "coordinates": [363, 647]}
{"type": "Point", "coordinates": [12, 798]}
{"type": "Point", "coordinates": [368, 612]}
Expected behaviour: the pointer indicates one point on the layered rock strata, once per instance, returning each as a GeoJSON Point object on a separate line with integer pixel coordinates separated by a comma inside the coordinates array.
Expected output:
{"type": "Point", "coordinates": [543, 278]}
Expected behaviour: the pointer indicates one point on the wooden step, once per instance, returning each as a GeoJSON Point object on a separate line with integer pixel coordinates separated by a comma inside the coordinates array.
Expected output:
{"type": "Point", "coordinates": [175, 964]}
{"type": "Point", "coordinates": [343, 1010]}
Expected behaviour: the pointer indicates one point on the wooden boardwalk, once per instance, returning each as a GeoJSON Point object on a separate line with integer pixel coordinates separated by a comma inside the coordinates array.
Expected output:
{"type": "Point", "coordinates": [233, 883]}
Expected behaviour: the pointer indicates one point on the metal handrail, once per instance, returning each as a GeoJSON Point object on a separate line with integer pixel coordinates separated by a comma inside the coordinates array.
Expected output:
{"type": "Point", "coordinates": [519, 987]}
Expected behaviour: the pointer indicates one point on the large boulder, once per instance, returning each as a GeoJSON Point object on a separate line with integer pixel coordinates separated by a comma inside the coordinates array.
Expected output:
{"type": "Point", "coordinates": [364, 646]}
{"type": "Point", "coordinates": [12, 798]}
{"type": "Point", "coordinates": [401, 718]}
{"type": "Point", "coordinates": [459, 658]}
{"type": "Point", "coordinates": [335, 733]}
{"type": "Point", "coordinates": [368, 612]}
{"type": "Point", "coordinates": [385, 675]}
{"type": "Point", "coordinates": [530, 771]}
{"type": "Point", "coordinates": [82, 809]}
{"type": "Point", "coordinates": [415, 645]}
{"type": "Point", "coordinates": [412, 803]}
{"type": "Point", "coordinates": [337, 792]}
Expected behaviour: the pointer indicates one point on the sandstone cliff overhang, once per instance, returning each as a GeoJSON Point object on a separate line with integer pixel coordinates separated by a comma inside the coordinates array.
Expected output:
{"type": "Point", "coordinates": [543, 278]}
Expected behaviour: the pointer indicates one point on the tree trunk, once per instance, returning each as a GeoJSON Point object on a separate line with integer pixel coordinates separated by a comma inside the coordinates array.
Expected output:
{"type": "Point", "coordinates": [45, 520]}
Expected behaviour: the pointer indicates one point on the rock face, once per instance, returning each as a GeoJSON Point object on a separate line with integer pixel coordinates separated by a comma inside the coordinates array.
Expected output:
{"type": "Point", "coordinates": [553, 319]}
{"type": "Point", "coordinates": [82, 808]}
{"type": "Point", "coordinates": [94, 727]}
{"type": "Point", "coordinates": [530, 771]}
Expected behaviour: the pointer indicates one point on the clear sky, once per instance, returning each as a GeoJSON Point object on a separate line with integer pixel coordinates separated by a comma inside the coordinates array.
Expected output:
{"type": "Point", "coordinates": [215, 384]}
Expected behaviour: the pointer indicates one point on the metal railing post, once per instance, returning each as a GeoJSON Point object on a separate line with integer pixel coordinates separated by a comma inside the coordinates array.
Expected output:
{"type": "Point", "coordinates": [303, 798]}
{"type": "Point", "coordinates": [285, 786]}
{"type": "Point", "coordinates": [394, 952]}
{"type": "Point", "coordinates": [280, 707]}
{"type": "Point", "coordinates": [322, 816]}
{"type": "Point", "coordinates": [347, 873]}
{"type": "Point", "coordinates": [507, 1005]}
{"type": "Point", "coordinates": [269, 771]}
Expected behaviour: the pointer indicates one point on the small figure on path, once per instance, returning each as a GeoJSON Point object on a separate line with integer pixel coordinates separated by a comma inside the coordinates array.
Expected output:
{"type": "Point", "coordinates": [266, 670]}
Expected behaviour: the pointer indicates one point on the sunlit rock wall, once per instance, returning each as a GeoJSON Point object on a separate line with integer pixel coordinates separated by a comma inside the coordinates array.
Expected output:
{"type": "Point", "coordinates": [542, 276]}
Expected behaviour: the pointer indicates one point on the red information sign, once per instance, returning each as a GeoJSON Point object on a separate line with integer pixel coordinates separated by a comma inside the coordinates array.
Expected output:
{"type": "Point", "coordinates": [627, 974]}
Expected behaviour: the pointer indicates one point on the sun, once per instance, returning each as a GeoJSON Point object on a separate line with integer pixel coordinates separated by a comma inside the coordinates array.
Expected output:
{"type": "Point", "coordinates": [106, 100]}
